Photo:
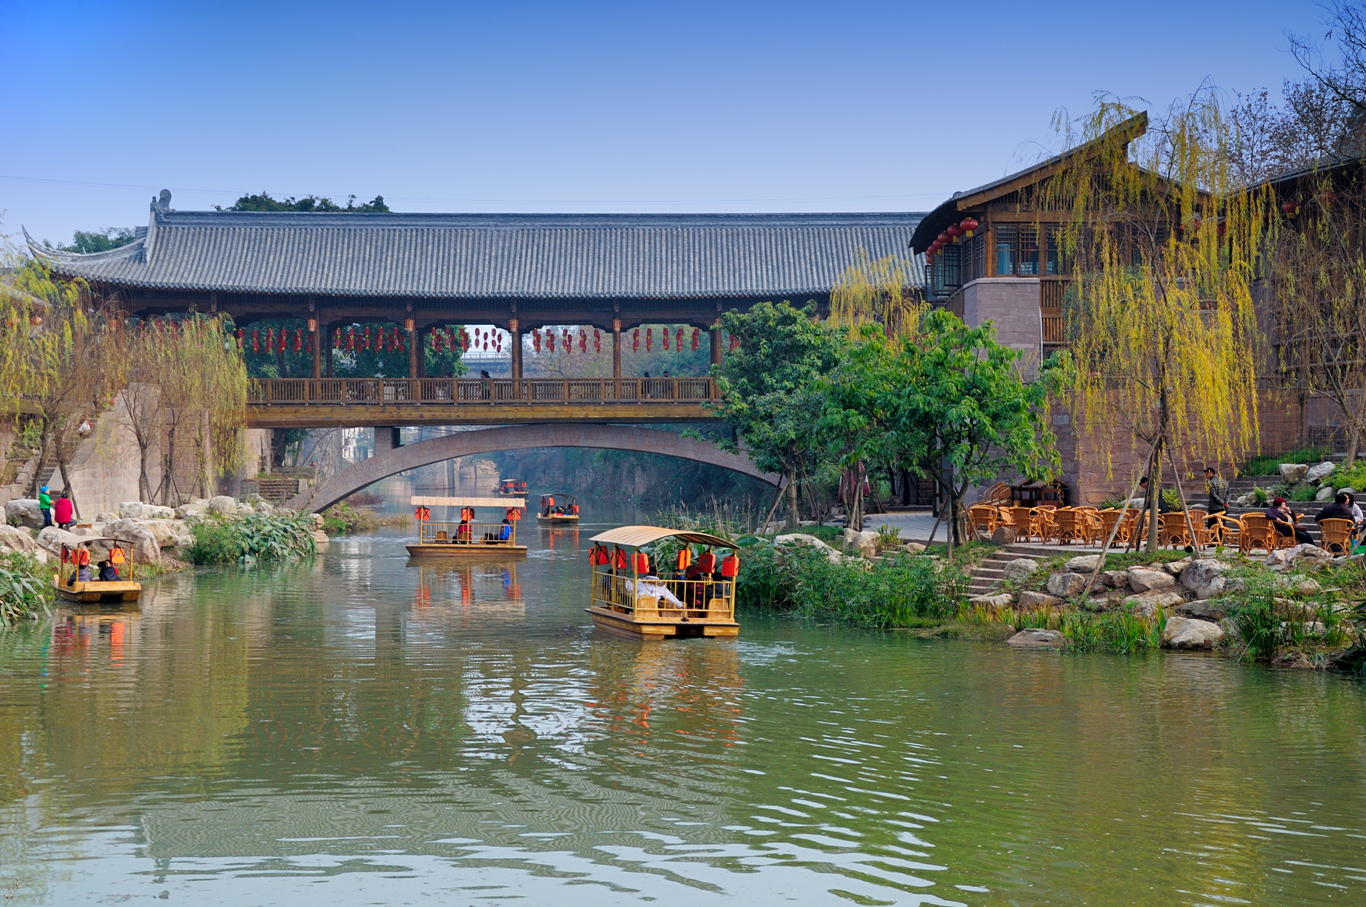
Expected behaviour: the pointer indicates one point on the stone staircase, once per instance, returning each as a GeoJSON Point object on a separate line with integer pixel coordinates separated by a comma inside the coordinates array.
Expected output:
{"type": "Point", "coordinates": [277, 489]}
{"type": "Point", "coordinates": [986, 577]}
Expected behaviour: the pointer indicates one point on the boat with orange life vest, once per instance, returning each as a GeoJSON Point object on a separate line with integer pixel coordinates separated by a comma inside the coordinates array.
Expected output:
{"type": "Point", "coordinates": [632, 594]}
{"type": "Point", "coordinates": [469, 538]}
{"type": "Point", "coordinates": [559, 508]}
{"type": "Point", "coordinates": [510, 488]}
{"type": "Point", "coordinates": [95, 591]}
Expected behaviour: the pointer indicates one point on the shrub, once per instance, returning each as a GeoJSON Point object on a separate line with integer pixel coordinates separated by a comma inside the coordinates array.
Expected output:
{"type": "Point", "coordinates": [23, 587]}
{"type": "Point", "coordinates": [888, 537]}
{"type": "Point", "coordinates": [1113, 631]}
{"type": "Point", "coordinates": [255, 537]}
{"type": "Point", "coordinates": [1265, 464]}
{"type": "Point", "coordinates": [1353, 476]}
{"type": "Point", "coordinates": [343, 519]}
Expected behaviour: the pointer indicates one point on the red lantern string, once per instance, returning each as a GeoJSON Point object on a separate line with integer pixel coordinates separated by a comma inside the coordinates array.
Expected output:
{"type": "Point", "coordinates": [498, 342]}
{"type": "Point", "coordinates": [255, 341]}
{"type": "Point", "coordinates": [597, 341]}
{"type": "Point", "coordinates": [568, 342]}
{"type": "Point", "coordinates": [308, 346]}
{"type": "Point", "coordinates": [695, 334]}
{"type": "Point", "coordinates": [583, 341]}
{"type": "Point", "coordinates": [351, 339]}
{"type": "Point", "coordinates": [270, 340]}
{"type": "Point", "coordinates": [365, 339]}
{"type": "Point", "coordinates": [298, 340]}
{"type": "Point", "coordinates": [665, 332]}
{"type": "Point", "coordinates": [284, 340]}
{"type": "Point", "coordinates": [241, 338]}
{"type": "Point", "coordinates": [398, 341]}
{"type": "Point", "coordinates": [635, 340]}
{"type": "Point", "coordinates": [649, 338]}
{"type": "Point", "coordinates": [734, 342]}
{"type": "Point", "coordinates": [536, 341]}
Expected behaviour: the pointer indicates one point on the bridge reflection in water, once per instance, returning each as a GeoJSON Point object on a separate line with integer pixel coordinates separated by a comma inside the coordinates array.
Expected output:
{"type": "Point", "coordinates": [303, 402]}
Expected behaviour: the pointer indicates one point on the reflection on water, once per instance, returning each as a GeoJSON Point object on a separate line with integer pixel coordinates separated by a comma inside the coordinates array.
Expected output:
{"type": "Point", "coordinates": [370, 729]}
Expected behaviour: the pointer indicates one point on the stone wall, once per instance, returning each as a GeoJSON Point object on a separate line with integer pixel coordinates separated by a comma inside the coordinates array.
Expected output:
{"type": "Point", "coordinates": [1011, 304]}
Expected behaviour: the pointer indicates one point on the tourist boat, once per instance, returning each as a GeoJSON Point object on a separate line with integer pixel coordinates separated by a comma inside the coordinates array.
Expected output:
{"type": "Point", "coordinates": [468, 538]}
{"type": "Point", "coordinates": [628, 600]}
{"type": "Point", "coordinates": [510, 488]}
{"type": "Point", "coordinates": [90, 552]}
{"type": "Point", "coordinates": [558, 509]}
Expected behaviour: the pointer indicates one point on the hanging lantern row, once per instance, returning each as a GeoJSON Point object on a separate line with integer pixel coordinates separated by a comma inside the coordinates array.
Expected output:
{"type": "Point", "coordinates": [393, 340]}
{"type": "Point", "coordinates": [964, 229]}
{"type": "Point", "coordinates": [275, 342]}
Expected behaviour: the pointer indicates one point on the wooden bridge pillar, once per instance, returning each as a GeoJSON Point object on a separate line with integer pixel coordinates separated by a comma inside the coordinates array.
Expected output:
{"type": "Point", "coordinates": [317, 347]}
{"type": "Point", "coordinates": [716, 342]}
{"type": "Point", "coordinates": [514, 328]}
{"type": "Point", "coordinates": [616, 347]}
{"type": "Point", "coordinates": [414, 336]}
{"type": "Point", "coordinates": [326, 334]}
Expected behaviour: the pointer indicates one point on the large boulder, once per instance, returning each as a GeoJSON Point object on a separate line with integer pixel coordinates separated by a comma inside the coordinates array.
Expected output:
{"type": "Point", "coordinates": [1299, 586]}
{"type": "Point", "coordinates": [1145, 579]}
{"type": "Point", "coordinates": [1082, 563]}
{"type": "Point", "coordinates": [912, 548]}
{"type": "Point", "coordinates": [1321, 471]}
{"type": "Point", "coordinates": [1116, 579]}
{"type": "Point", "coordinates": [1003, 535]}
{"type": "Point", "coordinates": [223, 504]}
{"type": "Point", "coordinates": [320, 541]}
{"type": "Point", "coordinates": [801, 538]}
{"type": "Point", "coordinates": [1325, 493]}
{"type": "Point", "coordinates": [1175, 567]}
{"type": "Point", "coordinates": [1187, 633]}
{"type": "Point", "coordinates": [1293, 473]}
{"type": "Point", "coordinates": [145, 549]}
{"type": "Point", "coordinates": [169, 533]}
{"type": "Point", "coordinates": [1019, 570]}
{"type": "Point", "coordinates": [998, 601]}
{"type": "Point", "coordinates": [1037, 638]}
{"type": "Point", "coordinates": [130, 510]}
{"type": "Point", "coordinates": [196, 507]}
{"type": "Point", "coordinates": [1034, 600]}
{"type": "Point", "coordinates": [1203, 609]}
{"type": "Point", "coordinates": [1066, 585]}
{"type": "Point", "coordinates": [864, 543]}
{"type": "Point", "coordinates": [25, 512]}
{"type": "Point", "coordinates": [1149, 603]}
{"type": "Point", "coordinates": [52, 539]}
{"type": "Point", "coordinates": [1205, 577]}
{"type": "Point", "coordinates": [14, 538]}
{"type": "Point", "coordinates": [1306, 554]}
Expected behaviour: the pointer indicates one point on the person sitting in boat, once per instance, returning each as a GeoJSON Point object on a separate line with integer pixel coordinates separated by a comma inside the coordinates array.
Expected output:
{"type": "Point", "coordinates": [108, 573]}
{"type": "Point", "coordinates": [652, 586]}
{"type": "Point", "coordinates": [505, 531]}
{"type": "Point", "coordinates": [82, 575]}
{"type": "Point", "coordinates": [693, 591]}
{"type": "Point", "coordinates": [462, 532]}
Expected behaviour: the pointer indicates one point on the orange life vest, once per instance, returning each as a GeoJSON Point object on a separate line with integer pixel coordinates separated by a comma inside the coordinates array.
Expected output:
{"type": "Point", "coordinates": [619, 559]}
{"type": "Point", "coordinates": [116, 556]}
{"type": "Point", "coordinates": [597, 556]}
{"type": "Point", "coordinates": [684, 558]}
{"type": "Point", "coordinates": [730, 567]}
{"type": "Point", "coordinates": [422, 514]}
{"type": "Point", "coordinates": [640, 562]}
{"type": "Point", "coordinates": [513, 514]}
{"type": "Point", "coordinates": [574, 509]}
{"type": "Point", "coordinates": [707, 561]}
{"type": "Point", "coordinates": [81, 558]}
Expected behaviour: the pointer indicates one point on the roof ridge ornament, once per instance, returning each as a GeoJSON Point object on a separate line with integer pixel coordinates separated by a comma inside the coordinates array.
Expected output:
{"type": "Point", "coordinates": [162, 202]}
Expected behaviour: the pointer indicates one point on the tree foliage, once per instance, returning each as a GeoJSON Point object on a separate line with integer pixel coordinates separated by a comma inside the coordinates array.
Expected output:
{"type": "Point", "coordinates": [879, 292]}
{"type": "Point", "coordinates": [770, 388]}
{"type": "Point", "coordinates": [1166, 242]}
{"type": "Point", "coordinates": [264, 202]}
{"type": "Point", "coordinates": [86, 241]}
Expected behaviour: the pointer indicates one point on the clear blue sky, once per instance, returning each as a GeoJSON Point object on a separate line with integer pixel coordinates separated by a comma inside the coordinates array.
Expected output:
{"type": "Point", "coordinates": [731, 106]}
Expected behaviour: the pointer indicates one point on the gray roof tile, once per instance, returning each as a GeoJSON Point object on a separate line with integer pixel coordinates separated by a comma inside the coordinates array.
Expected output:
{"type": "Point", "coordinates": [528, 256]}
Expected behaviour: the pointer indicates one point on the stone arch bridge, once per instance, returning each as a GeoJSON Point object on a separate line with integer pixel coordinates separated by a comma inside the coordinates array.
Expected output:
{"type": "Point", "coordinates": [520, 437]}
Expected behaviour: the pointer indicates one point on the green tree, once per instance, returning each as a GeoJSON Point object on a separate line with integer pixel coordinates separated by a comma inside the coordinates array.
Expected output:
{"type": "Point", "coordinates": [949, 403]}
{"type": "Point", "coordinates": [770, 390]}
{"type": "Point", "coordinates": [264, 202]}
{"type": "Point", "coordinates": [100, 240]}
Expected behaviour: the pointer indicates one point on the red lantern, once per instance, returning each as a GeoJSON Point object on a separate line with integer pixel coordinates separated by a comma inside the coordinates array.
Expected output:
{"type": "Point", "coordinates": [649, 339]}
{"type": "Point", "coordinates": [665, 338]}
{"type": "Point", "coordinates": [954, 231]}
{"type": "Point", "coordinates": [678, 341]}
{"type": "Point", "coordinates": [351, 339]}
{"type": "Point", "coordinates": [536, 340]}
{"type": "Point", "coordinates": [635, 340]}
{"type": "Point", "coordinates": [734, 342]}
{"type": "Point", "coordinates": [241, 338]}
{"type": "Point", "coordinates": [1290, 207]}
{"type": "Point", "coordinates": [969, 225]}
{"type": "Point", "coordinates": [255, 338]}
{"type": "Point", "coordinates": [284, 340]}
{"type": "Point", "coordinates": [464, 340]}
{"type": "Point", "coordinates": [597, 341]}
{"type": "Point", "coordinates": [550, 341]}
{"type": "Point", "coordinates": [568, 342]}
{"type": "Point", "coordinates": [298, 340]}
{"type": "Point", "coordinates": [583, 341]}
{"type": "Point", "coordinates": [308, 347]}
{"type": "Point", "coordinates": [943, 238]}
{"type": "Point", "coordinates": [365, 339]}
{"type": "Point", "coordinates": [695, 334]}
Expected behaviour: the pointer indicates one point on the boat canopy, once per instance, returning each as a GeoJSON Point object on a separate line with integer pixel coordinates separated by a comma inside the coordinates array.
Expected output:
{"type": "Point", "coordinates": [433, 501]}
{"type": "Point", "coordinates": [640, 536]}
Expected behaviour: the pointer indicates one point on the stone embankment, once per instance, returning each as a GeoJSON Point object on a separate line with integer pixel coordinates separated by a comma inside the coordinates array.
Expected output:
{"type": "Point", "coordinates": [1193, 595]}
{"type": "Point", "coordinates": [151, 529]}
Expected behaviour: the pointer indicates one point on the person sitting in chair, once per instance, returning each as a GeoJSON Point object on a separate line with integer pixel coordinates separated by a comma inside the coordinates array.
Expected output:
{"type": "Point", "coordinates": [1284, 521]}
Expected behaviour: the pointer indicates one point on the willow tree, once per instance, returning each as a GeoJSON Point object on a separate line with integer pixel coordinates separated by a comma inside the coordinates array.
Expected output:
{"type": "Point", "coordinates": [879, 291]}
{"type": "Point", "coordinates": [1165, 246]}
{"type": "Point", "coordinates": [1318, 299]}
{"type": "Point", "coordinates": [201, 383]}
{"type": "Point", "coordinates": [52, 361]}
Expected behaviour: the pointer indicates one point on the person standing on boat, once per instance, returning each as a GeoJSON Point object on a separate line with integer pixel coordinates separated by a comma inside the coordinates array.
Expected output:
{"type": "Point", "coordinates": [66, 512]}
{"type": "Point", "coordinates": [45, 505]}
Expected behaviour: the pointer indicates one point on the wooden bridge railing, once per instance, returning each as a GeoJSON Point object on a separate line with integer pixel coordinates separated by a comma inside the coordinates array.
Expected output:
{"type": "Point", "coordinates": [477, 391]}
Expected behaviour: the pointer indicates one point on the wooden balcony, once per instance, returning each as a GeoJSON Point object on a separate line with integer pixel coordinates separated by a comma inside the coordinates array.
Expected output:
{"type": "Point", "coordinates": [317, 402]}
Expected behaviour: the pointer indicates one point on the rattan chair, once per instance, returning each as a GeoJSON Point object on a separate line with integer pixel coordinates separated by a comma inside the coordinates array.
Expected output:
{"type": "Point", "coordinates": [1335, 536]}
{"type": "Point", "coordinates": [1108, 519]}
{"type": "Point", "coordinates": [1259, 533]}
{"type": "Point", "coordinates": [982, 518]}
{"type": "Point", "coordinates": [1071, 525]}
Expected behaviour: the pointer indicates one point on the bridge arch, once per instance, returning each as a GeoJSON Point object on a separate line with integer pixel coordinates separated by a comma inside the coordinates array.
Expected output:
{"type": "Point", "coordinates": [520, 437]}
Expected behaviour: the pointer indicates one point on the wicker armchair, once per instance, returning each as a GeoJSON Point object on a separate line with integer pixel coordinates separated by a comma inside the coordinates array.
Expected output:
{"type": "Point", "coordinates": [1335, 536]}
{"type": "Point", "coordinates": [1108, 519]}
{"type": "Point", "coordinates": [1259, 533]}
{"type": "Point", "coordinates": [982, 518]}
{"type": "Point", "coordinates": [1070, 525]}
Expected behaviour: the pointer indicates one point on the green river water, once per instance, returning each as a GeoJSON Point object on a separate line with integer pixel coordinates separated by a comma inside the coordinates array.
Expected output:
{"type": "Point", "coordinates": [359, 730]}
